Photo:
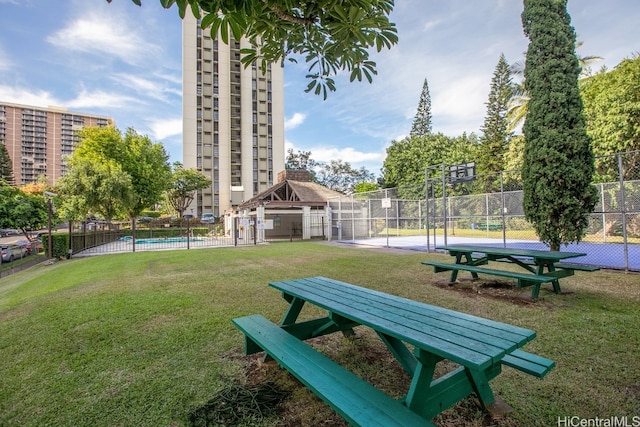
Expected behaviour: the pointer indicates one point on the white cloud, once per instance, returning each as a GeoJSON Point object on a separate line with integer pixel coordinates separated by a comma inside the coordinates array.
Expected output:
{"type": "Point", "coordinates": [104, 34]}
{"type": "Point", "coordinates": [427, 26]}
{"type": "Point", "coordinates": [17, 95]}
{"type": "Point", "coordinates": [5, 62]}
{"type": "Point", "coordinates": [296, 120]}
{"type": "Point", "coordinates": [346, 154]}
{"type": "Point", "coordinates": [101, 99]}
{"type": "Point", "coordinates": [164, 128]}
{"type": "Point", "coordinates": [156, 89]}
{"type": "Point", "coordinates": [351, 155]}
{"type": "Point", "coordinates": [463, 99]}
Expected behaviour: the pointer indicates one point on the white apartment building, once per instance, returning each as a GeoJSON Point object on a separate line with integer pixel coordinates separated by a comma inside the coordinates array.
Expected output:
{"type": "Point", "coordinates": [233, 120]}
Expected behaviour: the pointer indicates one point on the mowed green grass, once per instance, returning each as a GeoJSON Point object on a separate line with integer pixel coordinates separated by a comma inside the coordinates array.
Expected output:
{"type": "Point", "coordinates": [143, 339]}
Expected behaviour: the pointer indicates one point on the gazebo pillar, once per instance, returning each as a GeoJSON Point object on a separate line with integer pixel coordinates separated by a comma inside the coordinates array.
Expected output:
{"type": "Point", "coordinates": [260, 223]}
{"type": "Point", "coordinates": [306, 222]}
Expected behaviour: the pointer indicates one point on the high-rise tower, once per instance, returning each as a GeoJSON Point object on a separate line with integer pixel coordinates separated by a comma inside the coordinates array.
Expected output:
{"type": "Point", "coordinates": [233, 119]}
{"type": "Point", "coordinates": [39, 139]}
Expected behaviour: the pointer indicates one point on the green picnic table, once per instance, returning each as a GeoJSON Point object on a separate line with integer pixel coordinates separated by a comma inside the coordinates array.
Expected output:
{"type": "Point", "coordinates": [480, 347]}
{"type": "Point", "coordinates": [540, 266]}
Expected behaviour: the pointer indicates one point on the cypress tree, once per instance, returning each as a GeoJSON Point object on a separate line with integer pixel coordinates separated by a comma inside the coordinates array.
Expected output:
{"type": "Point", "coordinates": [422, 121]}
{"type": "Point", "coordinates": [558, 158]}
{"type": "Point", "coordinates": [6, 172]}
{"type": "Point", "coordinates": [494, 142]}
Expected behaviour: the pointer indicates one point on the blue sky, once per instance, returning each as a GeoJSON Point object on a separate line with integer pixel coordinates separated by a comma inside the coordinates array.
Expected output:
{"type": "Point", "coordinates": [124, 61]}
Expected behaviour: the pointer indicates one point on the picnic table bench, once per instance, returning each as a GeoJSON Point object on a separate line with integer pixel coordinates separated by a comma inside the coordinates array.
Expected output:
{"type": "Point", "coordinates": [479, 347]}
{"type": "Point", "coordinates": [492, 226]}
{"type": "Point", "coordinates": [539, 266]}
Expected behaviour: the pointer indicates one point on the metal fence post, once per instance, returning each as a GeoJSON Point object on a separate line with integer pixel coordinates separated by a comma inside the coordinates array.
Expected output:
{"type": "Point", "coordinates": [444, 204]}
{"type": "Point", "coordinates": [604, 214]}
{"type": "Point", "coordinates": [353, 220]}
{"type": "Point", "coordinates": [504, 211]}
{"type": "Point", "coordinates": [386, 216]}
{"type": "Point", "coordinates": [623, 211]}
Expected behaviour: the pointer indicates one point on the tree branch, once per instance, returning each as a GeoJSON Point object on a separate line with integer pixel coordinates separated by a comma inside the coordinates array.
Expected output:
{"type": "Point", "coordinates": [288, 17]}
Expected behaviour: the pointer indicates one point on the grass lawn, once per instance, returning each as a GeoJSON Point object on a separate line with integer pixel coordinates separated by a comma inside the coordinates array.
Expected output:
{"type": "Point", "coordinates": [146, 339]}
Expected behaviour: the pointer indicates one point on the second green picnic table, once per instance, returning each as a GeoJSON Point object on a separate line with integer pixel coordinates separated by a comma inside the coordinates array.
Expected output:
{"type": "Point", "coordinates": [540, 266]}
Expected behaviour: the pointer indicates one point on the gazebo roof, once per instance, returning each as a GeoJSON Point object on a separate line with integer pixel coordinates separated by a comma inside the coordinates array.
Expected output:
{"type": "Point", "coordinates": [289, 193]}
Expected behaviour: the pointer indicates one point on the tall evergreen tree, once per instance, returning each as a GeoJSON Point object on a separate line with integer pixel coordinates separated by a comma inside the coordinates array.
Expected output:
{"type": "Point", "coordinates": [494, 142]}
{"type": "Point", "coordinates": [558, 158]}
{"type": "Point", "coordinates": [422, 121]}
{"type": "Point", "coordinates": [6, 172]}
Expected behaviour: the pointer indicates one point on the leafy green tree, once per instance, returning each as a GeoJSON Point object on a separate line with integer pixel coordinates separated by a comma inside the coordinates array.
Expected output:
{"type": "Point", "coordinates": [494, 142]}
{"type": "Point", "coordinates": [184, 185]}
{"type": "Point", "coordinates": [612, 109]}
{"type": "Point", "coordinates": [364, 187]}
{"type": "Point", "coordinates": [558, 159]}
{"type": "Point", "coordinates": [22, 211]}
{"type": "Point", "coordinates": [340, 176]}
{"type": "Point", "coordinates": [513, 163]}
{"type": "Point", "coordinates": [93, 188]}
{"type": "Point", "coordinates": [147, 163]}
{"type": "Point", "coordinates": [7, 192]}
{"type": "Point", "coordinates": [6, 171]}
{"type": "Point", "coordinates": [331, 36]}
{"type": "Point", "coordinates": [408, 158]}
{"type": "Point", "coordinates": [422, 121]}
{"type": "Point", "coordinates": [114, 176]}
{"type": "Point", "coordinates": [300, 161]}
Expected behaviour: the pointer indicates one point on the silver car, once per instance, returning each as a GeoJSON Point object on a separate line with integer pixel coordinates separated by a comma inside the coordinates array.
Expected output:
{"type": "Point", "coordinates": [11, 252]}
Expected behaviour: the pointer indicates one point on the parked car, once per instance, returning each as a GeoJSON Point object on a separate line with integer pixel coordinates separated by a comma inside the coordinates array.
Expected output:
{"type": "Point", "coordinates": [25, 244]}
{"type": "Point", "coordinates": [32, 246]}
{"type": "Point", "coordinates": [11, 252]}
{"type": "Point", "coordinates": [6, 232]}
{"type": "Point", "coordinates": [207, 218]}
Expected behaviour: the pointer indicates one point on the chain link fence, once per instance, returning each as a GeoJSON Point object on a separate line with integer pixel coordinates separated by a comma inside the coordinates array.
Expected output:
{"type": "Point", "coordinates": [449, 208]}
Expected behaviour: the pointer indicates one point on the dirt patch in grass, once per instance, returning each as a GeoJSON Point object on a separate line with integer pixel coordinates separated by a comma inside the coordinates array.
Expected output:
{"type": "Point", "coordinates": [493, 289]}
{"type": "Point", "coordinates": [366, 356]}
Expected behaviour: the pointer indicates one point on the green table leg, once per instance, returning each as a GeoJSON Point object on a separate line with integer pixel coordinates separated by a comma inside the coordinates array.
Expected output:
{"type": "Point", "coordinates": [407, 360]}
{"type": "Point", "coordinates": [550, 268]}
{"type": "Point", "coordinates": [420, 388]}
{"type": "Point", "coordinates": [295, 307]}
{"type": "Point", "coordinates": [480, 383]}
{"type": "Point", "coordinates": [469, 259]}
